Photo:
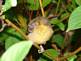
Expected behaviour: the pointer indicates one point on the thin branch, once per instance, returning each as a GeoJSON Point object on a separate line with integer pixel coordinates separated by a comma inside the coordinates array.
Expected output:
{"type": "Point", "coordinates": [55, 47]}
{"type": "Point", "coordinates": [37, 13]}
{"type": "Point", "coordinates": [30, 15]}
{"type": "Point", "coordinates": [47, 53]}
{"type": "Point", "coordinates": [76, 51]}
{"type": "Point", "coordinates": [42, 10]}
{"type": "Point", "coordinates": [71, 53]}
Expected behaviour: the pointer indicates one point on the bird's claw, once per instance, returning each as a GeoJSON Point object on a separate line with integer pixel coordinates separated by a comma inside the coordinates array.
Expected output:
{"type": "Point", "coordinates": [41, 50]}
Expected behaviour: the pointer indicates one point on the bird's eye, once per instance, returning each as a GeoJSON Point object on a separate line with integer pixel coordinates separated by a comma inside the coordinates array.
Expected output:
{"type": "Point", "coordinates": [31, 27]}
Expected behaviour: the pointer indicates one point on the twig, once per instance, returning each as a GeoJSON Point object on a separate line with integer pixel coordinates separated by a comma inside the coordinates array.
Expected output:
{"type": "Point", "coordinates": [71, 53]}
{"type": "Point", "coordinates": [42, 10]}
{"type": "Point", "coordinates": [37, 13]}
{"type": "Point", "coordinates": [76, 51]}
{"type": "Point", "coordinates": [66, 39]}
{"type": "Point", "coordinates": [30, 15]}
{"type": "Point", "coordinates": [30, 57]}
{"type": "Point", "coordinates": [55, 47]}
{"type": "Point", "coordinates": [47, 53]}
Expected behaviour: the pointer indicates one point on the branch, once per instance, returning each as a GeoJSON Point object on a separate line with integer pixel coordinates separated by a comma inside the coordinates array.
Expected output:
{"type": "Point", "coordinates": [42, 10]}
{"type": "Point", "coordinates": [71, 53]}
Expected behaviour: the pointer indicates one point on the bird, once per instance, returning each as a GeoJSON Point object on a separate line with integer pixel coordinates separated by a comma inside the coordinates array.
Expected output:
{"type": "Point", "coordinates": [40, 30]}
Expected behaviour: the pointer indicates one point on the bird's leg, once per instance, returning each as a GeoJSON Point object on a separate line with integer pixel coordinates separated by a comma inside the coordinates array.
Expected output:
{"type": "Point", "coordinates": [41, 50]}
{"type": "Point", "coordinates": [3, 25]}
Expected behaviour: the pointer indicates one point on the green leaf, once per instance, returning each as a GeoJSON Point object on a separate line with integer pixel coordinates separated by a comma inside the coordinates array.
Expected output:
{"type": "Point", "coordinates": [58, 23]}
{"type": "Point", "coordinates": [54, 21]}
{"type": "Point", "coordinates": [59, 40]}
{"type": "Point", "coordinates": [53, 53]}
{"type": "Point", "coordinates": [73, 4]}
{"type": "Point", "coordinates": [72, 58]}
{"type": "Point", "coordinates": [12, 32]}
{"type": "Point", "coordinates": [17, 52]}
{"type": "Point", "coordinates": [9, 32]}
{"type": "Point", "coordinates": [8, 4]}
{"type": "Point", "coordinates": [34, 4]}
{"type": "Point", "coordinates": [61, 26]}
{"type": "Point", "coordinates": [13, 37]}
{"type": "Point", "coordinates": [69, 7]}
{"type": "Point", "coordinates": [3, 36]}
{"type": "Point", "coordinates": [78, 2]}
{"type": "Point", "coordinates": [75, 20]}
{"type": "Point", "coordinates": [10, 41]}
{"type": "Point", "coordinates": [64, 15]}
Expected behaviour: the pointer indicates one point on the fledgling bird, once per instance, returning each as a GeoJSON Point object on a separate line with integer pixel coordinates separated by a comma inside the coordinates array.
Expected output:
{"type": "Point", "coordinates": [40, 30]}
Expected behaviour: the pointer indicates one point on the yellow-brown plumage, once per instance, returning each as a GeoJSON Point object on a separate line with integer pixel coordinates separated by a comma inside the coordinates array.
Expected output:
{"type": "Point", "coordinates": [40, 30]}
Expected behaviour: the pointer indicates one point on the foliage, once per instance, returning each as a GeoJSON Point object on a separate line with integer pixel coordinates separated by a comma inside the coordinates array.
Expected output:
{"type": "Point", "coordinates": [74, 20]}
{"type": "Point", "coordinates": [72, 58]}
{"type": "Point", "coordinates": [78, 2]}
{"type": "Point", "coordinates": [17, 50]}
{"type": "Point", "coordinates": [8, 4]}
{"type": "Point", "coordinates": [58, 39]}
{"type": "Point", "coordinates": [34, 4]}
{"type": "Point", "coordinates": [58, 23]}
{"type": "Point", "coordinates": [63, 16]}
{"type": "Point", "coordinates": [53, 53]}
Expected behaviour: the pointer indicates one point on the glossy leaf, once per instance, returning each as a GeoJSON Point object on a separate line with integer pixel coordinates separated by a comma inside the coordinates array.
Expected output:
{"type": "Point", "coordinates": [17, 52]}
{"type": "Point", "coordinates": [75, 20]}
{"type": "Point", "coordinates": [8, 4]}
{"type": "Point", "coordinates": [53, 53]}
